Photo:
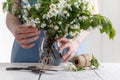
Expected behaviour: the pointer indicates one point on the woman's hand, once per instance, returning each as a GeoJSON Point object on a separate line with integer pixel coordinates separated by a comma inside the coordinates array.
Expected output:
{"type": "Point", "coordinates": [71, 45]}
{"type": "Point", "coordinates": [26, 36]}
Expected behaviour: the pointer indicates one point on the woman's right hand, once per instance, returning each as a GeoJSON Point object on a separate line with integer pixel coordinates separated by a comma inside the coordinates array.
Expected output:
{"type": "Point", "coordinates": [26, 36]}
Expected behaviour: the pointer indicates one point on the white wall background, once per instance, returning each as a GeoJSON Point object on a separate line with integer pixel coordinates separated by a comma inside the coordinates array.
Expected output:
{"type": "Point", "coordinates": [111, 51]}
{"type": "Point", "coordinates": [107, 50]}
{"type": "Point", "coordinates": [6, 38]}
{"type": "Point", "coordinates": [104, 49]}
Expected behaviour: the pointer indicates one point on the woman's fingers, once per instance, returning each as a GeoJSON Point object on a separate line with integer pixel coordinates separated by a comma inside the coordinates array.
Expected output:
{"type": "Point", "coordinates": [67, 56]}
{"type": "Point", "coordinates": [27, 30]}
{"type": "Point", "coordinates": [26, 46]}
{"type": "Point", "coordinates": [26, 36]}
{"type": "Point", "coordinates": [62, 40]}
{"type": "Point", "coordinates": [63, 46]}
{"type": "Point", "coordinates": [28, 40]}
{"type": "Point", "coordinates": [66, 43]}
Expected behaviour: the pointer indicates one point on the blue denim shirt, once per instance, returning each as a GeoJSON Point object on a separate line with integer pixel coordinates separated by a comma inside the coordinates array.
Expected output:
{"type": "Point", "coordinates": [31, 55]}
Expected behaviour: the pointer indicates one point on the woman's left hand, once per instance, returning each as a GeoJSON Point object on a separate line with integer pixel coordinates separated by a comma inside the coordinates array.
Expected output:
{"type": "Point", "coordinates": [71, 45]}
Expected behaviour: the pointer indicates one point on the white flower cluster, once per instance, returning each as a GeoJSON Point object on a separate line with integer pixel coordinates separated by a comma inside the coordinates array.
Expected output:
{"type": "Point", "coordinates": [62, 18]}
{"type": "Point", "coordinates": [57, 9]}
{"type": "Point", "coordinates": [27, 6]}
{"type": "Point", "coordinates": [29, 21]}
{"type": "Point", "coordinates": [60, 9]}
{"type": "Point", "coordinates": [90, 6]}
{"type": "Point", "coordinates": [83, 18]}
{"type": "Point", "coordinates": [69, 66]}
{"type": "Point", "coordinates": [32, 22]}
{"type": "Point", "coordinates": [37, 6]}
{"type": "Point", "coordinates": [54, 10]}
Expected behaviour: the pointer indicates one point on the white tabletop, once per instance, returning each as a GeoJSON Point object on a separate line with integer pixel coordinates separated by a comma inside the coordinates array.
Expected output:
{"type": "Point", "coordinates": [109, 71]}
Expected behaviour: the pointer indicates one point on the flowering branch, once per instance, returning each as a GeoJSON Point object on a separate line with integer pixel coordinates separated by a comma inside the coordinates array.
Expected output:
{"type": "Point", "coordinates": [61, 17]}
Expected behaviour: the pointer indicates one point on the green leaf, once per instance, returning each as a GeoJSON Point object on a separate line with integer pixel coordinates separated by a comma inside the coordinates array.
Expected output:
{"type": "Point", "coordinates": [10, 7]}
{"type": "Point", "coordinates": [94, 62]}
{"type": "Point", "coordinates": [72, 2]}
{"type": "Point", "coordinates": [107, 27]}
{"type": "Point", "coordinates": [85, 24]}
{"type": "Point", "coordinates": [78, 69]}
{"type": "Point", "coordinates": [17, 12]}
{"type": "Point", "coordinates": [95, 21]}
{"type": "Point", "coordinates": [4, 6]}
{"type": "Point", "coordinates": [112, 33]}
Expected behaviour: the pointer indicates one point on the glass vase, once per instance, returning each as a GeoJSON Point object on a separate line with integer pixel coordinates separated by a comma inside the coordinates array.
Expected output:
{"type": "Point", "coordinates": [48, 51]}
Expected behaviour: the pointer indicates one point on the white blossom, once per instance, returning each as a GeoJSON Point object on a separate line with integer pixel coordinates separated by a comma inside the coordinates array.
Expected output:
{"type": "Point", "coordinates": [50, 14]}
{"type": "Point", "coordinates": [28, 6]}
{"type": "Point", "coordinates": [58, 6]}
{"type": "Point", "coordinates": [29, 23]}
{"type": "Point", "coordinates": [25, 12]}
{"type": "Point", "coordinates": [68, 5]}
{"type": "Point", "coordinates": [43, 25]}
{"type": "Point", "coordinates": [69, 1]}
{"type": "Point", "coordinates": [85, 1]}
{"type": "Point", "coordinates": [69, 67]}
{"type": "Point", "coordinates": [25, 1]}
{"type": "Point", "coordinates": [52, 6]}
{"type": "Point", "coordinates": [37, 20]}
{"type": "Point", "coordinates": [84, 8]}
{"type": "Point", "coordinates": [50, 21]}
{"type": "Point", "coordinates": [79, 1]}
{"type": "Point", "coordinates": [76, 4]}
{"type": "Point", "coordinates": [83, 18]}
{"type": "Point", "coordinates": [33, 24]}
{"type": "Point", "coordinates": [90, 7]}
{"type": "Point", "coordinates": [37, 6]}
{"type": "Point", "coordinates": [45, 16]}
{"type": "Point", "coordinates": [72, 33]}
{"type": "Point", "coordinates": [56, 27]}
{"type": "Point", "coordinates": [51, 25]}
{"type": "Point", "coordinates": [66, 29]}
{"type": "Point", "coordinates": [24, 7]}
{"type": "Point", "coordinates": [24, 17]}
{"type": "Point", "coordinates": [68, 14]}
{"type": "Point", "coordinates": [54, 12]}
{"type": "Point", "coordinates": [65, 12]}
{"type": "Point", "coordinates": [59, 22]}
{"type": "Point", "coordinates": [72, 21]}
{"type": "Point", "coordinates": [75, 26]}
{"type": "Point", "coordinates": [62, 1]}
{"type": "Point", "coordinates": [78, 15]}
{"type": "Point", "coordinates": [19, 16]}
